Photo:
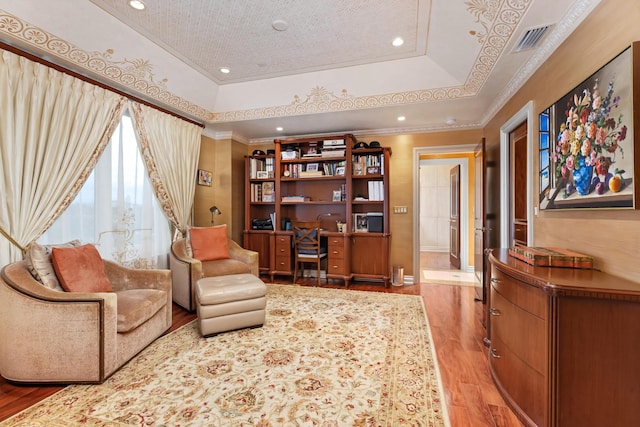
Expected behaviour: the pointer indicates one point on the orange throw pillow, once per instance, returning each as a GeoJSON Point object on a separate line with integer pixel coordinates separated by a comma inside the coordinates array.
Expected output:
{"type": "Point", "coordinates": [209, 243]}
{"type": "Point", "coordinates": [80, 269]}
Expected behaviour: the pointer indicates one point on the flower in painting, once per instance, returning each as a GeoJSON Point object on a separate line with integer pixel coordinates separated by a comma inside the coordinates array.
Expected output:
{"type": "Point", "coordinates": [589, 136]}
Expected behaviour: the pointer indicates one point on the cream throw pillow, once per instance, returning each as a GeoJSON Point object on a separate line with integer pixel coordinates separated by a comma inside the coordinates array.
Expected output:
{"type": "Point", "coordinates": [40, 265]}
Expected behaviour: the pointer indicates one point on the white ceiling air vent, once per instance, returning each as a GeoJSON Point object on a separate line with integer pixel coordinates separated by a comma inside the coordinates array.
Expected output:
{"type": "Point", "coordinates": [530, 38]}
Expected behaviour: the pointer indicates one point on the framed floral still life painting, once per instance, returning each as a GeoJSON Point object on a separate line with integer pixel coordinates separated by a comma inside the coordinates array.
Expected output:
{"type": "Point", "coordinates": [587, 150]}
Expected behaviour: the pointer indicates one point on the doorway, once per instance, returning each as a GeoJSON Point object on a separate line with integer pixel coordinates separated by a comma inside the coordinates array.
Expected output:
{"type": "Point", "coordinates": [432, 196]}
{"type": "Point", "coordinates": [524, 115]}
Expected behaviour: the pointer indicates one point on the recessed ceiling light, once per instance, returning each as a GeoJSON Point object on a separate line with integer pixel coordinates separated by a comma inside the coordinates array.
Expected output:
{"type": "Point", "coordinates": [137, 4]}
{"type": "Point", "coordinates": [279, 128]}
{"type": "Point", "coordinates": [280, 25]}
{"type": "Point", "coordinates": [401, 118]}
{"type": "Point", "coordinates": [451, 121]}
{"type": "Point", "coordinates": [398, 41]}
{"type": "Point", "coordinates": [225, 70]}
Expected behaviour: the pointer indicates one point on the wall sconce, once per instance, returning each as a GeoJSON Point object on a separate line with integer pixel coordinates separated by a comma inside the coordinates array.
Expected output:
{"type": "Point", "coordinates": [214, 211]}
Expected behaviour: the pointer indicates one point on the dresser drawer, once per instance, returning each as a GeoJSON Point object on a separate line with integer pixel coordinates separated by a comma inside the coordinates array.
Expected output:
{"type": "Point", "coordinates": [336, 266]}
{"type": "Point", "coordinates": [525, 333]}
{"type": "Point", "coordinates": [524, 385]}
{"type": "Point", "coordinates": [283, 246]}
{"type": "Point", "coordinates": [333, 241]}
{"type": "Point", "coordinates": [335, 252]}
{"type": "Point", "coordinates": [527, 297]}
{"type": "Point", "coordinates": [283, 263]}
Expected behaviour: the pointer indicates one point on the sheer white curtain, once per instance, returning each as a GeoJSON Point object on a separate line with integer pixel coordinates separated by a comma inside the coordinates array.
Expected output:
{"type": "Point", "coordinates": [117, 210]}
{"type": "Point", "coordinates": [170, 147]}
{"type": "Point", "coordinates": [53, 128]}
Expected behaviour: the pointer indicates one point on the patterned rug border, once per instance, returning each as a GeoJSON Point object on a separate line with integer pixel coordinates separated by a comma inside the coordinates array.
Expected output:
{"type": "Point", "coordinates": [310, 290]}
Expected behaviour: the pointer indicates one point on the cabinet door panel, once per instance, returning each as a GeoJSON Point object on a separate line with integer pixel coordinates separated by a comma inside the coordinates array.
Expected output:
{"type": "Point", "coordinates": [369, 255]}
{"type": "Point", "coordinates": [259, 242]}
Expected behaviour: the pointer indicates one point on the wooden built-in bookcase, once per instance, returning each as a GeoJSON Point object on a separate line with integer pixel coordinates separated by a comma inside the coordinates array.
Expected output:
{"type": "Point", "coordinates": [324, 179]}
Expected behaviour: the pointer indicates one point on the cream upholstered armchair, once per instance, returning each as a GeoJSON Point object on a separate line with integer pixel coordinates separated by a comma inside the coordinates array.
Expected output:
{"type": "Point", "coordinates": [187, 269]}
{"type": "Point", "coordinates": [50, 335]}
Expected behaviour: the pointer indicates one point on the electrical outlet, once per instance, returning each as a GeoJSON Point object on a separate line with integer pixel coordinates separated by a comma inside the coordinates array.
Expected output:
{"type": "Point", "coordinates": [399, 209]}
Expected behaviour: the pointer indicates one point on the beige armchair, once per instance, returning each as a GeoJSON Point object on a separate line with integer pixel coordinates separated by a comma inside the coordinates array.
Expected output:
{"type": "Point", "coordinates": [186, 271]}
{"type": "Point", "coordinates": [50, 336]}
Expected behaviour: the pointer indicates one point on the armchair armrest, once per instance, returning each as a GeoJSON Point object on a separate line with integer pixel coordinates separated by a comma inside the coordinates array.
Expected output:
{"type": "Point", "coordinates": [76, 330]}
{"type": "Point", "coordinates": [247, 256]}
{"type": "Point", "coordinates": [123, 278]}
{"type": "Point", "coordinates": [185, 272]}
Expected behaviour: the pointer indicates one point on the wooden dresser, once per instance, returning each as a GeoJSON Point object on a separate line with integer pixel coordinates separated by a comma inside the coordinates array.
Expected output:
{"type": "Point", "coordinates": [564, 344]}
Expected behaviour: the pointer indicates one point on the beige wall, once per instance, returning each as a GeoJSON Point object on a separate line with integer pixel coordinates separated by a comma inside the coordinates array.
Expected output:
{"type": "Point", "coordinates": [611, 236]}
{"type": "Point", "coordinates": [225, 159]}
{"type": "Point", "coordinates": [401, 189]}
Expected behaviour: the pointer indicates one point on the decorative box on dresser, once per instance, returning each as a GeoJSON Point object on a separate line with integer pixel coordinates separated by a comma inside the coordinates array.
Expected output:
{"type": "Point", "coordinates": [565, 344]}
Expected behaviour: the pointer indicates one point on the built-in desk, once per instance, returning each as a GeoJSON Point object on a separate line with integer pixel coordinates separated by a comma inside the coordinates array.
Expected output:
{"type": "Point", "coordinates": [349, 255]}
{"type": "Point", "coordinates": [564, 344]}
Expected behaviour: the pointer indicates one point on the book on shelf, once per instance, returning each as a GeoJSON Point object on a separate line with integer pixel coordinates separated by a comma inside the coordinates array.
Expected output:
{"type": "Point", "coordinates": [298, 198]}
{"type": "Point", "coordinates": [268, 191]}
{"type": "Point", "coordinates": [309, 174]}
{"type": "Point", "coordinates": [376, 191]}
{"type": "Point", "coordinates": [333, 153]}
{"type": "Point", "coordinates": [256, 192]}
{"type": "Point", "coordinates": [332, 142]}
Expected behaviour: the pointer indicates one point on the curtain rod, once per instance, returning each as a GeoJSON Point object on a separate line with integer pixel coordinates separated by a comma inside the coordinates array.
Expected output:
{"type": "Point", "coordinates": [35, 58]}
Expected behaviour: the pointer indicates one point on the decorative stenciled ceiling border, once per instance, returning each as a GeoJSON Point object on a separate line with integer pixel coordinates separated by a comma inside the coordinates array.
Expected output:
{"type": "Point", "coordinates": [135, 75]}
{"type": "Point", "coordinates": [562, 30]}
{"type": "Point", "coordinates": [498, 18]}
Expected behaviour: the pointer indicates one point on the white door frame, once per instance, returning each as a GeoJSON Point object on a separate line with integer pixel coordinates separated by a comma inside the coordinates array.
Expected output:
{"type": "Point", "coordinates": [525, 113]}
{"type": "Point", "coordinates": [464, 199]}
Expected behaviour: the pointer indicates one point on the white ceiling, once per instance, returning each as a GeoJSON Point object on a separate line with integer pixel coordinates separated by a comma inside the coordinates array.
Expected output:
{"type": "Point", "coordinates": [333, 69]}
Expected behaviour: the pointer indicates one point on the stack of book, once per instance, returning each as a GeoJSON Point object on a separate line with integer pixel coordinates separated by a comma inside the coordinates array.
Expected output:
{"type": "Point", "coordinates": [263, 192]}
{"type": "Point", "coordinates": [309, 174]}
{"type": "Point", "coordinates": [293, 199]}
{"type": "Point", "coordinates": [333, 148]}
{"type": "Point", "coordinates": [376, 190]}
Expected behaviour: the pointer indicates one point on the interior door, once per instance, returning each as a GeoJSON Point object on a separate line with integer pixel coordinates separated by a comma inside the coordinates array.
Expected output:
{"type": "Point", "coordinates": [454, 217]}
{"type": "Point", "coordinates": [518, 192]}
{"type": "Point", "coordinates": [479, 224]}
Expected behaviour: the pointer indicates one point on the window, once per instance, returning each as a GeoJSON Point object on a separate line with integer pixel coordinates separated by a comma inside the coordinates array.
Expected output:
{"type": "Point", "coordinates": [543, 149]}
{"type": "Point", "coordinates": [116, 209]}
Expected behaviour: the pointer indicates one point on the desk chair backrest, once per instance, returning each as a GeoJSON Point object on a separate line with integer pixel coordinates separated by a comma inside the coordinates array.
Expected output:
{"type": "Point", "coordinates": [306, 237]}
{"type": "Point", "coordinates": [306, 243]}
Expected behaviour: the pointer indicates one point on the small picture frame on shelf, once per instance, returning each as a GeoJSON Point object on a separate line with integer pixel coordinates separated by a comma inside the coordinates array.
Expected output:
{"type": "Point", "coordinates": [312, 167]}
{"type": "Point", "coordinates": [358, 169]}
{"type": "Point", "coordinates": [373, 170]}
{"type": "Point", "coordinates": [360, 223]}
{"type": "Point", "coordinates": [337, 195]}
{"type": "Point", "coordinates": [262, 174]}
{"type": "Point", "coordinates": [340, 171]}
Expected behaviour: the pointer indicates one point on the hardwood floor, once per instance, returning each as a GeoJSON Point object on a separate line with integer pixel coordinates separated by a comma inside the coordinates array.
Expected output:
{"type": "Point", "coordinates": [455, 318]}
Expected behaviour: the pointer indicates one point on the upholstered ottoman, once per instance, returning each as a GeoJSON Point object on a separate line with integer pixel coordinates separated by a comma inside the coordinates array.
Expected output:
{"type": "Point", "coordinates": [225, 303]}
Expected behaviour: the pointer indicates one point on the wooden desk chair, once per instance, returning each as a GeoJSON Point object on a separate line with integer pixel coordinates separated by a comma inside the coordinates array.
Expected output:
{"type": "Point", "coordinates": [307, 248]}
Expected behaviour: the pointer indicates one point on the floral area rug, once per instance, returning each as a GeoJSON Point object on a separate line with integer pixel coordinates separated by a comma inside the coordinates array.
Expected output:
{"type": "Point", "coordinates": [324, 357]}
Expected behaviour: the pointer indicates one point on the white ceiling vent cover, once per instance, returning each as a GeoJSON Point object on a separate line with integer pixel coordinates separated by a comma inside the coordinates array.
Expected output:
{"type": "Point", "coordinates": [530, 38]}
